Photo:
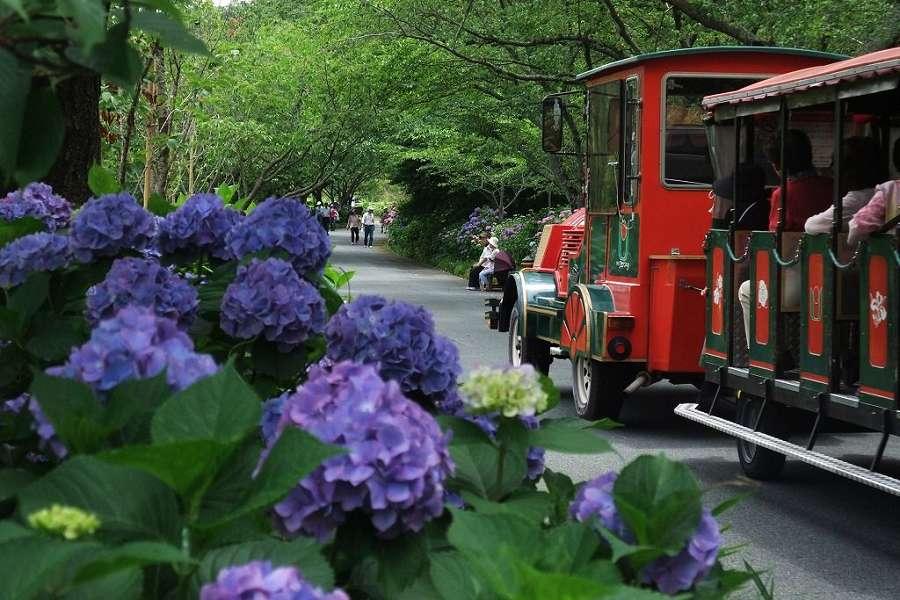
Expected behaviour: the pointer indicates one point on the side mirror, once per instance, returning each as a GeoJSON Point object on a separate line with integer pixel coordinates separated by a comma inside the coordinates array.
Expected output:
{"type": "Point", "coordinates": [552, 109]}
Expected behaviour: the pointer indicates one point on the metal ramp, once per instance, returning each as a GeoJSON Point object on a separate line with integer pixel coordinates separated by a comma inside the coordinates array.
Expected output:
{"type": "Point", "coordinates": [843, 468]}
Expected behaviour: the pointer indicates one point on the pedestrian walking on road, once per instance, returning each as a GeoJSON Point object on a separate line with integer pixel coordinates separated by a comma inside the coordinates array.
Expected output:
{"type": "Point", "coordinates": [324, 215]}
{"type": "Point", "coordinates": [369, 227]}
{"type": "Point", "coordinates": [353, 223]}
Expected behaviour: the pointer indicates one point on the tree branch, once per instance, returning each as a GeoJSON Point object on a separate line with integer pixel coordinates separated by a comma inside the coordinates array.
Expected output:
{"type": "Point", "coordinates": [706, 19]}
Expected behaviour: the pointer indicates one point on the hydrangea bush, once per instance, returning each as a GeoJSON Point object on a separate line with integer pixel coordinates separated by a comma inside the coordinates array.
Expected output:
{"type": "Point", "coordinates": [140, 461]}
{"type": "Point", "coordinates": [37, 200]}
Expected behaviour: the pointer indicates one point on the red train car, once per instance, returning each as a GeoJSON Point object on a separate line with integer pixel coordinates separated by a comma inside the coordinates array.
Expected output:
{"type": "Point", "coordinates": [616, 289]}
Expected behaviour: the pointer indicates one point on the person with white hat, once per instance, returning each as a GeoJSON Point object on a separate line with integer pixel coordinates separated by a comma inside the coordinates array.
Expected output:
{"type": "Point", "coordinates": [488, 262]}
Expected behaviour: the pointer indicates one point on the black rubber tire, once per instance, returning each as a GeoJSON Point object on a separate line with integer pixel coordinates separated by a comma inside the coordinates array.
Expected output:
{"type": "Point", "coordinates": [531, 351]}
{"type": "Point", "coordinates": [756, 462]}
{"type": "Point", "coordinates": [601, 397]}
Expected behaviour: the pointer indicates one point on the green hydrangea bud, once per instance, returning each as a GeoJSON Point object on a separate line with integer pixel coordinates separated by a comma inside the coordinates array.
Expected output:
{"type": "Point", "coordinates": [514, 392]}
{"type": "Point", "coordinates": [67, 521]}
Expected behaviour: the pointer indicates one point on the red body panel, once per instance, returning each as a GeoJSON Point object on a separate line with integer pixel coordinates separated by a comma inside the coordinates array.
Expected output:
{"type": "Point", "coordinates": [672, 220]}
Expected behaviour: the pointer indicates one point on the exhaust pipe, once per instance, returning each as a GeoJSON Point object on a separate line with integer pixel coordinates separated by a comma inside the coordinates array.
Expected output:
{"type": "Point", "coordinates": [640, 381]}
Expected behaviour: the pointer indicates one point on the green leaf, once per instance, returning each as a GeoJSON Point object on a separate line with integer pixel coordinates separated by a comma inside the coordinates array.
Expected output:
{"type": "Point", "coordinates": [478, 461]}
{"type": "Point", "coordinates": [168, 31]}
{"type": "Point", "coordinates": [131, 405]}
{"type": "Point", "coordinates": [73, 410]}
{"type": "Point", "coordinates": [114, 58]}
{"type": "Point", "coordinates": [539, 585]}
{"type": "Point", "coordinates": [233, 482]}
{"type": "Point", "coordinates": [102, 181]}
{"type": "Point", "coordinates": [569, 547]}
{"type": "Point", "coordinates": [29, 297]}
{"type": "Point", "coordinates": [89, 17]}
{"type": "Point", "coordinates": [128, 502]}
{"type": "Point", "coordinates": [226, 193]}
{"type": "Point", "coordinates": [127, 584]}
{"type": "Point", "coordinates": [43, 128]}
{"type": "Point", "coordinates": [16, 80]}
{"type": "Point", "coordinates": [393, 567]}
{"type": "Point", "coordinates": [659, 500]}
{"type": "Point", "coordinates": [485, 536]}
{"type": "Point", "coordinates": [11, 531]}
{"type": "Point", "coordinates": [13, 230]}
{"type": "Point", "coordinates": [181, 465]}
{"type": "Point", "coordinates": [303, 553]}
{"type": "Point", "coordinates": [16, 5]}
{"type": "Point", "coordinates": [529, 504]}
{"type": "Point", "coordinates": [562, 492]}
{"type": "Point", "coordinates": [127, 556]}
{"type": "Point", "coordinates": [551, 390]}
{"type": "Point", "coordinates": [158, 205]}
{"type": "Point", "coordinates": [35, 564]}
{"type": "Point", "coordinates": [53, 338]}
{"type": "Point", "coordinates": [295, 455]}
{"type": "Point", "coordinates": [166, 6]}
{"type": "Point", "coordinates": [621, 549]}
{"type": "Point", "coordinates": [221, 407]}
{"type": "Point", "coordinates": [729, 504]}
{"type": "Point", "coordinates": [452, 576]}
{"type": "Point", "coordinates": [12, 480]}
{"type": "Point", "coordinates": [568, 435]}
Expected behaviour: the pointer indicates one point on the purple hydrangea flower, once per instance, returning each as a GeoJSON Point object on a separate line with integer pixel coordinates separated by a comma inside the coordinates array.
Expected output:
{"type": "Point", "coordinates": [37, 200]}
{"type": "Point", "coordinates": [142, 282]}
{"type": "Point", "coordinates": [48, 441]}
{"type": "Point", "coordinates": [257, 580]}
{"type": "Point", "coordinates": [287, 225]}
{"type": "Point", "coordinates": [595, 499]}
{"type": "Point", "coordinates": [535, 455]}
{"type": "Point", "coordinates": [396, 463]}
{"type": "Point", "coordinates": [110, 224]}
{"type": "Point", "coordinates": [399, 338]}
{"type": "Point", "coordinates": [670, 574]}
{"type": "Point", "coordinates": [136, 344]}
{"type": "Point", "coordinates": [271, 415]}
{"type": "Point", "coordinates": [673, 574]}
{"type": "Point", "coordinates": [31, 253]}
{"type": "Point", "coordinates": [201, 225]}
{"type": "Point", "coordinates": [268, 297]}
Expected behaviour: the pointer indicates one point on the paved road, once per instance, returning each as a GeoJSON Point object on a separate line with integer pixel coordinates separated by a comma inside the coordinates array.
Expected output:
{"type": "Point", "coordinates": [820, 535]}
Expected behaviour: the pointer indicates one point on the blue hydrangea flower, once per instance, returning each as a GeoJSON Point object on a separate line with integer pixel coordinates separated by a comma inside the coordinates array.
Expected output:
{"type": "Point", "coordinates": [107, 225]}
{"type": "Point", "coordinates": [142, 282]}
{"type": "Point", "coordinates": [397, 458]}
{"type": "Point", "coordinates": [136, 344]}
{"type": "Point", "coordinates": [267, 297]}
{"type": "Point", "coordinates": [670, 574]}
{"type": "Point", "coordinates": [32, 253]}
{"type": "Point", "coordinates": [535, 456]}
{"type": "Point", "coordinates": [283, 224]}
{"type": "Point", "coordinates": [673, 574]}
{"type": "Point", "coordinates": [48, 441]}
{"type": "Point", "coordinates": [257, 580]}
{"type": "Point", "coordinates": [271, 415]}
{"type": "Point", "coordinates": [200, 225]}
{"type": "Point", "coordinates": [400, 338]}
{"type": "Point", "coordinates": [37, 200]}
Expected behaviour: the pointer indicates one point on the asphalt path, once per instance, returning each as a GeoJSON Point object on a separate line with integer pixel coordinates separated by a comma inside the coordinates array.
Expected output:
{"type": "Point", "coordinates": [819, 535]}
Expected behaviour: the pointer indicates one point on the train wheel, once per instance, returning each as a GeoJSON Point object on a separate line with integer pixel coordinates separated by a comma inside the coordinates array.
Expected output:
{"type": "Point", "coordinates": [756, 461]}
{"type": "Point", "coordinates": [523, 350]}
{"type": "Point", "coordinates": [597, 389]}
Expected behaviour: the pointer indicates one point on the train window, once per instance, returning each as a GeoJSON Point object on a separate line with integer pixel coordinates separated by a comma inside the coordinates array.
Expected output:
{"type": "Point", "coordinates": [686, 159]}
{"type": "Point", "coordinates": [604, 146]}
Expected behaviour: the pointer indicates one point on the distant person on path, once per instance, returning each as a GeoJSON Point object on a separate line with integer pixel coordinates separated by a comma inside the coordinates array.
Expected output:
{"type": "Point", "coordinates": [484, 277]}
{"type": "Point", "coordinates": [353, 223]}
{"type": "Point", "coordinates": [369, 227]}
{"type": "Point", "coordinates": [478, 266]}
{"type": "Point", "coordinates": [324, 215]}
{"type": "Point", "coordinates": [334, 215]}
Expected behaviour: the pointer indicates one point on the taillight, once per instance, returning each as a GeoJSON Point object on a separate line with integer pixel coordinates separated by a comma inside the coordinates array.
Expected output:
{"type": "Point", "coordinates": [620, 323]}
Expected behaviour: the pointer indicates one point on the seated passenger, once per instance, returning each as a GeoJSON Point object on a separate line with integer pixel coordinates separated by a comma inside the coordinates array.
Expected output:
{"type": "Point", "coordinates": [751, 208]}
{"type": "Point", "coordinates": [486, 253]}
{"type": "Point", "coordinates": [807, 194]}
{"type": "Point", "coordinates": [861, 169]}
{"type": "Point", "coordinates": [885, 201]}
{"type": "Point", "coordinates": [485, 276]}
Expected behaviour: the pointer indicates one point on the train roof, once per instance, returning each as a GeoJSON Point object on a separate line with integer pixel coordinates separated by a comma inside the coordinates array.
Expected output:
{"type": "Point", "coordinates": [868, 66]}
{"type": "Point", "coordinates": [666, 54]}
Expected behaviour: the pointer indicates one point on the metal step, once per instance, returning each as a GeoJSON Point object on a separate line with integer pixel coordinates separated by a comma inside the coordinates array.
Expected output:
{"type": "Point", "coordinates": [878, 481]}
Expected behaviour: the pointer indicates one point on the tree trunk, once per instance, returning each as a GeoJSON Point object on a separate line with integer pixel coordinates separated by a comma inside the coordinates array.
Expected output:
{"type": "Point", "coordinates": [80, 100]}
{"type": "Point", "coordinates": [159, 125]}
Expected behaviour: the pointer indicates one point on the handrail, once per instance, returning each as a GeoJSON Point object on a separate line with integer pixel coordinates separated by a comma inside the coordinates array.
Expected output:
{"type": "Point", "coordinates": [850, 263]}
{"type": "Point", "coordinates": [741, 258]}
{"type": "Point", "coordinates": [791, 262]}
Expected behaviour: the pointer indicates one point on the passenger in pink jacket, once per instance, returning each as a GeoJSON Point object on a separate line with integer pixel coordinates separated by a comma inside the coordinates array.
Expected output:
{"type": "Point", "coordinates": [885, 201]}
{"type": "Point", "coordinates": [862, 170]}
